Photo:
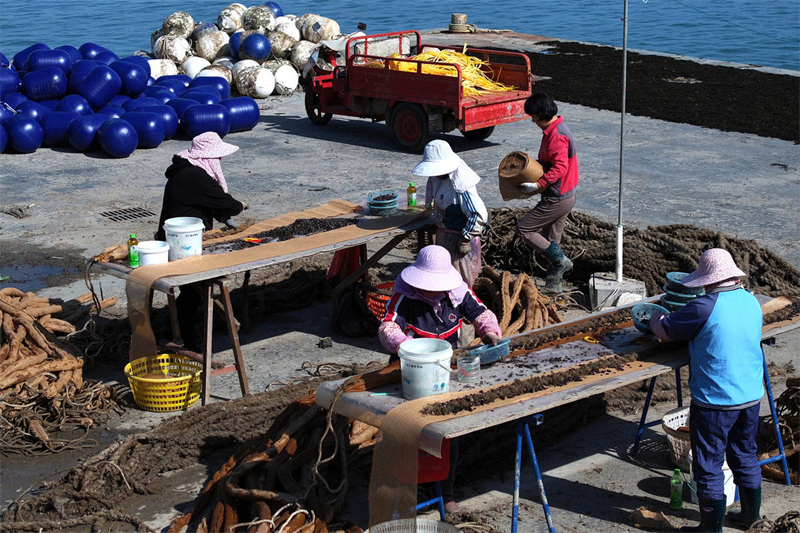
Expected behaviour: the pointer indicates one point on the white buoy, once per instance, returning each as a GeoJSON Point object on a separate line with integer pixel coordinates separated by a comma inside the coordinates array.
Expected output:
{"type": "Point", "coordinates": [239, 71]}
{"type": "Point", "coordinates": [301, 52]}
{"type": "Point", "coordinates": [320, 29]}
{"type": "Point", "coordinates": [224, 61]}
{"type": "Point", "coordinates": [218, 71]}
{"type": "Point", "coordinates": [230, 18]}
{"type": "Point", "coordinates": [281, 44]}
{"type": "Point", "coordinates": [257, 83]}
{"type": "Point", "coordinates": [194, 64]}
{"type": "Point", "coordinates": [179, 23]}
{"type": "Point", "coordinates": [212, 45]}
{"type": "Point", "coordinates": [286, 77]}
{"type": "Point", "coordinates": [162, 67]}
{"type": "Point", "coordinates": [259, 18]}
{"type": "Point", "coordinates": [288, 27]}
{"type": "Point", "coordinates": [170, 47]}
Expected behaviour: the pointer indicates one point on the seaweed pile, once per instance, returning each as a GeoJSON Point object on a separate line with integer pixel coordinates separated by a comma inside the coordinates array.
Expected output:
{"type": "Point", "coordinates": [302, 227]}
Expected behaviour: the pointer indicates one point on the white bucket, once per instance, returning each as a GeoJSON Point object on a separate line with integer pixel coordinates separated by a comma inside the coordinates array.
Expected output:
{"type": "Point", "coordinates": [185, 237]}
{"type": "Point", "coordinates": [729, 487]}
{"type": "Point", "coordinates": [425, 367]}
{"type": "Point", "coordinates": [153, 253]}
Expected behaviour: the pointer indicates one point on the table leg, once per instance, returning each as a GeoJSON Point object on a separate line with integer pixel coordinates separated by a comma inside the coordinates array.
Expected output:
{"type": "Point", "coordinates": [643, 419]}
{"type": "Point", "coordinates": [782, 453]}
{"type": "Point", "coordinates": [524, 431]}
{"type": "Point", "coordinates": [246, 301]}
{"type": "Point", "coordinates": [173, 317]}
{"type": "Point", "coordinates": [234, 335]}
{"type": "Point", "coordinates": [517, 473]}
{"type": "Point", "coordinates": [207, 338]}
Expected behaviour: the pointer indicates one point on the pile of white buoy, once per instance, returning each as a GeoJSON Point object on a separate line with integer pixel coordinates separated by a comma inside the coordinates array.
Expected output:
{"type": "Point", "coordinates": [259, 50]}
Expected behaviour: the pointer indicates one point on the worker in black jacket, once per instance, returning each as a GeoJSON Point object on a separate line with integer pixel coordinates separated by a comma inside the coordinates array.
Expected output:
{"type": "Point", "coordinates": [196, 187]}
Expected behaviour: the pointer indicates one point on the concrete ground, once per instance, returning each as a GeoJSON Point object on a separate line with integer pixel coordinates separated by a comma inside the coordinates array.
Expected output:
{"type": "Point", "coordinates": [742, 185]}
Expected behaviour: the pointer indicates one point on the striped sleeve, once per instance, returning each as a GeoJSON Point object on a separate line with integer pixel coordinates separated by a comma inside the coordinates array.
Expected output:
{"type": "Point", "coordinates": [477, 217]}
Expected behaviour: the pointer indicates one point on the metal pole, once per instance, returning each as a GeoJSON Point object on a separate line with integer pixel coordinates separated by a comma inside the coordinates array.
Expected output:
{"type": "Point", "coordinates": [622, 137]}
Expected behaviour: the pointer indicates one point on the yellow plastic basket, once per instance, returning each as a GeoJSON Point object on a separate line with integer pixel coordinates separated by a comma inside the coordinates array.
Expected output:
{"type": "Point", "coordinates": [179, 391]}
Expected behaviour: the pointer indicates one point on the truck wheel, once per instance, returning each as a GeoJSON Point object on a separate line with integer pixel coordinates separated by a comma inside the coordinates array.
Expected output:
{"type": "Point", "coordinates": [313, 109]}
{"type": "Point", "coordinates": [478, 135]}
{"type": "Point", "coordinates": [409, 125]}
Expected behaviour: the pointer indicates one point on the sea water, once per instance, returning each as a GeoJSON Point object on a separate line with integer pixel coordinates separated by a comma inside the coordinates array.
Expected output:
{"type": "Point", "coordinates": [758, 32]}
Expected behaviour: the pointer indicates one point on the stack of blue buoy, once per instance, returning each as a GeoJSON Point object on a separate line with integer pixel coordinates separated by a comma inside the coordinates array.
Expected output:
{"type": "Point", "coordinates": [676, 295]}
{"type": "Point", "coordinates": [90, 99]}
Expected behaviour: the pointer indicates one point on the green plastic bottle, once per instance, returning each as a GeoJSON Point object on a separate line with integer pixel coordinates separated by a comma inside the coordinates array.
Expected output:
{"type": "Point", "coordinates": [133, 251]}
{"type": "Point", "coordinates": [412, 196]}
{"type": "Point", "coordinates": [676, 490]}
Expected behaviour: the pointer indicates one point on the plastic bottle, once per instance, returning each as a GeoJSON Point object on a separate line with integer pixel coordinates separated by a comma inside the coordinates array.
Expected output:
{"type": "Point", "coordinates": [676, 490]}
{"type": "Point", "coordinates": [133, 251]}
{"type": "Point", "coordinates": [412, 196]}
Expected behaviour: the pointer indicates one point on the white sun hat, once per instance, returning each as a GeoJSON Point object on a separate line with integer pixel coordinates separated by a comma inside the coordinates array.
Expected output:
{"type": "Point", "coordinates": [438, 159]}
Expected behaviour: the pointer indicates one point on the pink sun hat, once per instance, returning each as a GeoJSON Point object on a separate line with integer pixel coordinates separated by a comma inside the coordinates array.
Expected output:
{"type": "Point", "coordinates": [208, 145]}
{"type": "Point", "coordinates": [715, 265]}
{"type": "Point", "coordinates": [432, 271]}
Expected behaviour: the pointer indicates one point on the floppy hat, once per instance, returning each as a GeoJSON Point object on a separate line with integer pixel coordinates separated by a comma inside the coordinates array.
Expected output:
{"type": "Point", "coordinates": [438, 159]}
{"type": "Point", "coordinates": [432, 271]}
{"type": "Point", "coordinates": [209, 145]}
{"type": "Point", "coordinates": [715, 265]}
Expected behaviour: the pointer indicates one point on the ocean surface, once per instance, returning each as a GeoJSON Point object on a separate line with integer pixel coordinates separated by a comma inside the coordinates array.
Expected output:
{"type": "Point", "coordinates": [758, 32]}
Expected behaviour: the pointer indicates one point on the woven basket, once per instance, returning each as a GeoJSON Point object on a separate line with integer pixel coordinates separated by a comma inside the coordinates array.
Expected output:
{"type": "Point", "coordinates": [406, 525]}
{"type": "Point", "coordinates": [679, 443]}
{"type": "Point", "coordinates": [178, 391]}
{"type": "Point", "coordinates": [377, 299]}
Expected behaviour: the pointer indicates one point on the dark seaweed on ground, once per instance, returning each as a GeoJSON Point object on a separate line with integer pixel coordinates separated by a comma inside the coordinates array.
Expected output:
{"type": "Point", "coordinates": [302, 227]}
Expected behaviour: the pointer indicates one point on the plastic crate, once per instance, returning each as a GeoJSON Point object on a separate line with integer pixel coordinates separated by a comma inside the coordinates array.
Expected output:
{"type": "Point", "coordinates": [679, 443]}
{"type": "Point", "coordinates": [179, 391]}
{"type": "Point", "coordinates": [376, 302]}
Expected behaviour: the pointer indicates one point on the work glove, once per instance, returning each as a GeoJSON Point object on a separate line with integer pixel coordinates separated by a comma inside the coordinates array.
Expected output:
{"type": "Point", "coordinates": [231, 224]}
{"type": "Point", "coordinates": [491, 339]}
{"type": "Point", "coordinates": [528, 188]}
{"type": "Point", "coordinates": [464, 247]}
{"type": "Point", "coordinates": [245, 206]}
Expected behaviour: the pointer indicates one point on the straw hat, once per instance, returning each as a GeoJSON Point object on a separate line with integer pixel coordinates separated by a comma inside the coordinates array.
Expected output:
{"type": "Point", "coordinates": [715, 265]}
{"type": "Point", "coordinates": [438, 159]}
{"type": "Point", "coordinates": [432, 271]}
{"type": "Point", "coordinates": [209, 145]}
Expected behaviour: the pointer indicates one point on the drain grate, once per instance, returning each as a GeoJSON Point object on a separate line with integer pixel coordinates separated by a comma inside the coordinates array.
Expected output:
{"type": "Point", "coordinates": [129, 213]}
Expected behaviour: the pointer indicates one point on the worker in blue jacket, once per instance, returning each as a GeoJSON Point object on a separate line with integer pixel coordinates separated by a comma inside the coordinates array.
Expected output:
{"type": "Point", "coordinates": [726, 381]}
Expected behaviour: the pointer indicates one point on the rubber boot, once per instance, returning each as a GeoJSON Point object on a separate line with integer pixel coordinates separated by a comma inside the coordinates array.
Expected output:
{"type": "Point", "coordinates": [750, 500]}
{"type": "Point", "coordinates": [712, 516]}
{"type": "Point", "coordinates": [559, 265]}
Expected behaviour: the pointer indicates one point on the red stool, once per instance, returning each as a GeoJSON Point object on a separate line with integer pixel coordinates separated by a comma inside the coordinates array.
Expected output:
{"type": "Point", "coordinates": [433, 470]}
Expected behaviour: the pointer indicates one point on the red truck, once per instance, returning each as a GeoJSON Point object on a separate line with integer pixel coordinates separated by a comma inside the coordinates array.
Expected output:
{"type": "Point", "coordinates": [415, 105]}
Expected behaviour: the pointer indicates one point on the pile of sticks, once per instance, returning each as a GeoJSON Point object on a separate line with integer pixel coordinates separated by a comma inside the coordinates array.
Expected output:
{"type": "Point", "coordinates": [41, 377]}
{"type": "Point", "coordinates": [293, 478]}
{"type": "Point", "coordinates": [517, 302]}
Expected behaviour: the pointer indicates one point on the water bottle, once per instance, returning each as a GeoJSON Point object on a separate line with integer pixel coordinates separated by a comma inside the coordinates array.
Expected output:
{"type": "Point", "coordinates": [676, 490]}
{"type": "Point", "coordinates": [412, 196]}
{"type": "Point", "coordinates": [133, 251]}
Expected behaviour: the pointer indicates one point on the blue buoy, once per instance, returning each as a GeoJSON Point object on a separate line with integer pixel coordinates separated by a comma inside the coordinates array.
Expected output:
{"type": "Point", "coordinates": [132, 76]}
{"type": "Point", "coordinates": [78, 73]}
{"type": "Point", "coordinates": [3, 138]}
{"type": "Point", "coordinates": [106, 57]}
{"type": "Point", "coordinates": [142, 61]}
{"type": "Point", "coordinates": [119, 100]}
{"type": "Point", "coordinates": [25, 135]}
{"type": "Point", "coordinates": [274, 7]}
{"type": "Point", "coordinates": [90, 50]}
{"type": "Point", "coordinates": [180, 105]}
{"type": "Point", "coordinates": [100, 86]}
{"type": "Point", "coordinates": [20, 57]}
{"type": "Point", "coordinates": [244, 113]}
{"type": "Point", "coordinates": [204, 97]}
{"type": "Point", "coordinates": [83, 132]}
{"type": "Point", "coordinates": [151, 81]}
{"type": "Point", "coordinates": [14, 99]}
{"type": "Point", "coordinates": [40, 59]}
{"type": "Point", "coordinates": [113, 111]}
{"type": "Point", "coordinates": [9, 82]}
{"type": "Point", "coordinates": [5, 113]}
{"type": "Point", "coordinates": [176, 86]}
{"type": "Point", "coordinates": [73, 52]}
{"type": "Point", "coordinates": [217, 82]}
{"type": "Point", "coordinates": [183, 78]}
{"type": "Point", "coordinates": [45, 84]}
{"type": "Point", "coordinates": [256, 47]}
{"type": "Point", "coordinates": [75, 103]}
{"type": "Point", "coordinates": [4, 62]}
{"type": "Point", "coordinates": [149, 126]}
{"type": "Point", "coordinates": [117, 137]}
{"type": "Point", "coordinates": [202, 118]}
{"type": "Point", "coordinates": [163, 95]}
{"type": "Point", "coordinates": [168, 115]}
{"type": "Point", "coordinates": [50, 104]}
{"type": "Point", "coordinates": [56, 127]}
{"type": "Point", "coordinates": [235, 43]}
{"type": "Point", "coordinates": [32, 109]}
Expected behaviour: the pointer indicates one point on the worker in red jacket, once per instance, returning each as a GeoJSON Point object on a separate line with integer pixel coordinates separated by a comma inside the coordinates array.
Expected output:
{"type": "Point", "coordinates": [542, 227]}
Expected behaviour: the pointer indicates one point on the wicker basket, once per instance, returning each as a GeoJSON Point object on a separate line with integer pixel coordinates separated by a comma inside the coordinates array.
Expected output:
{"type": "Point", "coordinates": [406, 525]}
{"type": "Point", "coordinates": [179, 391]}
{"type": "Point", "coordinates": [378, 298]}
{"type": "Point", "coordinates": [679, 444]}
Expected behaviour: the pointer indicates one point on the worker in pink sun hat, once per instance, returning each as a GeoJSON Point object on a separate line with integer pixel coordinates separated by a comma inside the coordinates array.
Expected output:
{"type": "Point", "coordinates": [726, 380]}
